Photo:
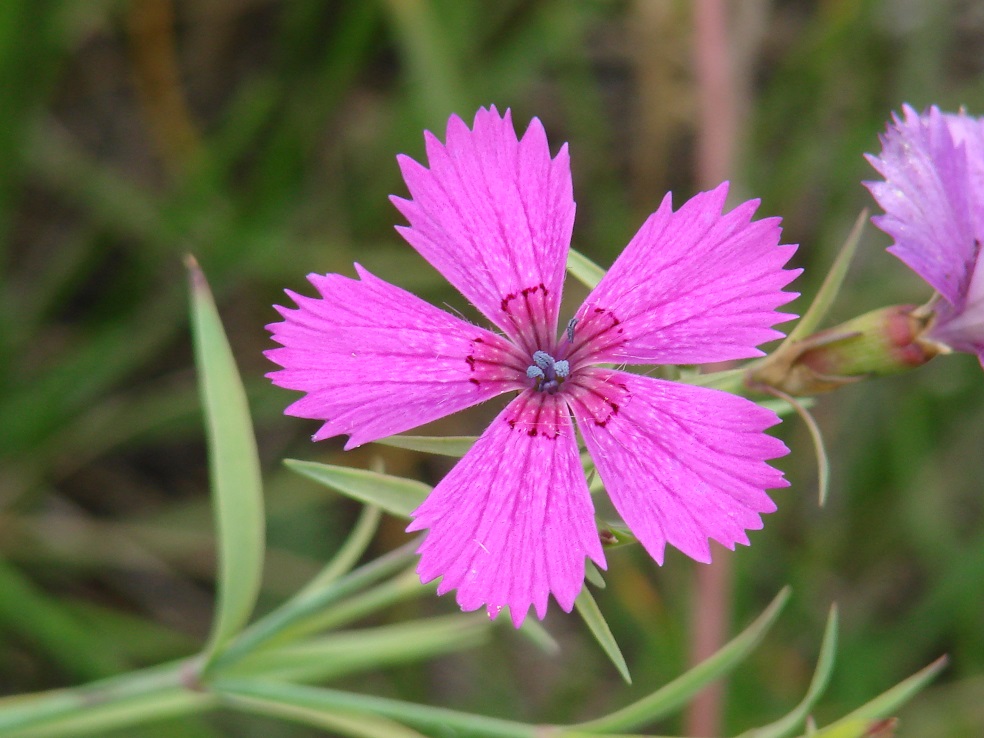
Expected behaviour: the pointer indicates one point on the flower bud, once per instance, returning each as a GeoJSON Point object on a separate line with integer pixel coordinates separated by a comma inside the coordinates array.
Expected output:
{"type": "Point", "coordinates": [885, 341]}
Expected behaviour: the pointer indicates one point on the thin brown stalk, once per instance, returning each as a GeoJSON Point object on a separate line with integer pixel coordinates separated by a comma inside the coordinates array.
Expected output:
{"type": "Point", "coordinates": [150, 26]}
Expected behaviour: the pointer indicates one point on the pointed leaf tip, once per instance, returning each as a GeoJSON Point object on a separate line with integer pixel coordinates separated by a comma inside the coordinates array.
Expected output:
{"type": "Point", "coordinates": [887, 702]}
{"type": "Point", "coordinates": [831, 285]}
{"type": "Point", "coordinates": [589, 611]}
{"type": "Point", "coordinates": [234, 467]}
{"type": "Point", "coordinates": [799, 715]}
{"type": "Point", "coordinates": [678, 692]}
{"type": "Point", "coordinates": [196, 277]}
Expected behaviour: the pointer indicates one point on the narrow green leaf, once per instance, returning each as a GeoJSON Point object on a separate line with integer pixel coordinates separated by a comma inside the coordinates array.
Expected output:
{"type": "Point", "coordinates": [354, 725]}
{"type": "Point", "coordinates": [350, 552]}
{"type": "Point", "coordinates": [888, 702]}
{"type": "Point", "coordinates": [583, 269]}
{"type": "Point", "coordinates": [831, 286]}
{"type": "Point", "coordinates": [401, 588]}
{"type": "Point", "coordinates": [98, 720]}
{"type": "Point", "coordinates": [456, 446]}
{"type": "Point", "coordinates": [592, 575]}
{"type": "Point", "coordinates": [22, 711]}
{"type": "Point", "coordinates": [587, 608]}
{"type": "Point", "coordinates": [823, 461]}
{"type": "Point", "coordinates": [312, 604]}
{"type": "Point", "coordinates": [678, 692]}
{"type": "Point", "coordinates": [98, 707]}
{"type": "Point", "coordinates": [234, 468]}
{"type": "Point", "coordinates": [430, 720]}
{"type": "Point", "coordinates": [788, 724]}
{"type": "Point", "coordinates": [395, 495]}
{"type": "Point", "coordinates": [331, 656]}
{"type": "Point", "coordinates": [858, 728]}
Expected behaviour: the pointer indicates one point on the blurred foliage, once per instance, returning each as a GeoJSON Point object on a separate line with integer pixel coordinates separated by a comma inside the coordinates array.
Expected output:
{"type": "Point", "coordinates": [260, 135]}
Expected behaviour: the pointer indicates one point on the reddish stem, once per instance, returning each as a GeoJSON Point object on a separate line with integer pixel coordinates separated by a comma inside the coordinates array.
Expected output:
{"type": "Point", "coordinates": [717, 134]}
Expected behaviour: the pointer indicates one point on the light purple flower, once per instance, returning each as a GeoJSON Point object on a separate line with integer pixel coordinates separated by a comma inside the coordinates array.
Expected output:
{"type": "Point", "coordinates": [933, 197]}
{"type": "Point", "coordinates": [513, 522]}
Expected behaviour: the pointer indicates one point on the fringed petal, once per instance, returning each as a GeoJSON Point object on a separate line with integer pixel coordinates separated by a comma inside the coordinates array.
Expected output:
{"type": "Point", "coordinates": [931, 197]}
{"type": "Point", "coordinates": [682, 464]}
{"type": "Point", "coordinates": [513, 522]}
{"type": "Point", "coordinates": [494, 215]}
{"type": "Point", "coordinates": [693, 286]}
{"type": "Point", "coordinates": [375, 360]}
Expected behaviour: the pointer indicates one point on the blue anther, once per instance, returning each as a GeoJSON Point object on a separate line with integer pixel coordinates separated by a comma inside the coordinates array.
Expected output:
{"type": "Point", "coordinates": [546, 373]}
{"type": "Point", "coordinates": [543, 360]}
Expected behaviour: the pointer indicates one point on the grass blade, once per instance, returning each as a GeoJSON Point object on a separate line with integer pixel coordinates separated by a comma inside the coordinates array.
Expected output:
{"type": "Point", "coordinates": [28, 612]}
{"type": "Point", "coordinates": [234, 469]}
{"type": "Point", "coordinates": [431, 65]}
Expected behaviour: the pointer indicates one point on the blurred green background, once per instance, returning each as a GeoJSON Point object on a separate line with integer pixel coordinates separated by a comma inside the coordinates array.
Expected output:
{"type": "Point", "coordinates": [260, 135]}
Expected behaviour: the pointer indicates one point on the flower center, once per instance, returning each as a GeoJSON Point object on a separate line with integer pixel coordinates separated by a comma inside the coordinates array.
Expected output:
{"type": "Point", "coordinates": [546, 373]}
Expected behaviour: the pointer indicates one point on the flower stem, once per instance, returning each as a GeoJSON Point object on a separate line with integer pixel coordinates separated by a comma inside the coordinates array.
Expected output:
{"type": "Point", "coordinates": [136, 697]}
{"type": "Point", "coordinates": [717, 136]}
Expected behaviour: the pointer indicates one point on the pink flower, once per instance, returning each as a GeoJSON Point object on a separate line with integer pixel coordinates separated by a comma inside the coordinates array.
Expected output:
{"type": "Point", "coordinates": [513, 522]}
{"type": "Point", "coordinates": [933, 196]}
